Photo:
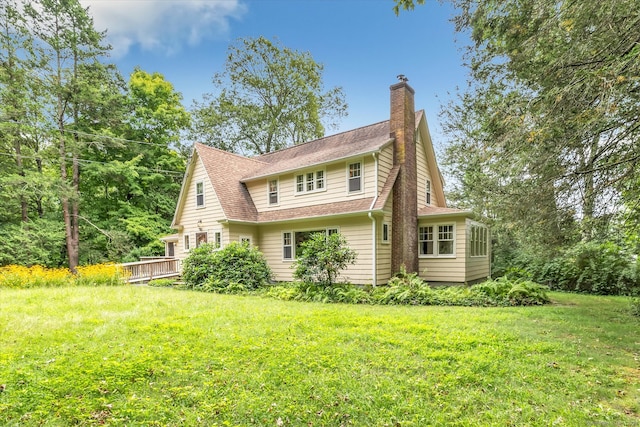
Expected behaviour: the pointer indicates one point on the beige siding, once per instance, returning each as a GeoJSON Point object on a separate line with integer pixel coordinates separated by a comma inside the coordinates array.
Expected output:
{"type": "Point", "coordinates": [424, 173]}
{"type": "Point", "coordinates": [238, 231]}
{"type": "Point", "coordinates": [335, 187]}
{"type": "Point", "coordinates": [385, 163]}
{"type": "Point", "coordinates": [477, 267]}
{"type": "Point", "coordinates": [446, 269]}
{"type": "Point", "coordinates": [383, 254]}
{"type": "Point", "coordinates": [357, 231]}
{"type": "Point", "coordinates": [210, 214]}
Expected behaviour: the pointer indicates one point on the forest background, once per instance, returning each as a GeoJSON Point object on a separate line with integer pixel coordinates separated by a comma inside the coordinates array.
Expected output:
{"type": "Point", "coordinates": [542, 143]}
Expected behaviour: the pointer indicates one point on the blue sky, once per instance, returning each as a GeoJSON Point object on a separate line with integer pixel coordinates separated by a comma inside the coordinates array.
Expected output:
{"type": "Point", "coordinates": [362, 44]}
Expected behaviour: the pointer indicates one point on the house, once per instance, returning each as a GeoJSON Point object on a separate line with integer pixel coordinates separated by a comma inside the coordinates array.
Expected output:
{"type": "Point", "coordinates": [378, 185]}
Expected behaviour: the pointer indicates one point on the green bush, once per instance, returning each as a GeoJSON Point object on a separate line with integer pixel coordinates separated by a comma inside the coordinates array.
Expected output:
{"type": "Point", "coordinates": [161, 283]}
{"type": "Point", "coordinates": [593, 267]}
{"type": "Point", "coordinates": [199, 266]}
{"type": "Point", "coordinates": [213, 270]}
{"type": "Point", "coordinates": [322, 257]}
{"type": "Point", "coordinates": [405, 288]}
{"type": "Point", "coordinates": [635, 306]}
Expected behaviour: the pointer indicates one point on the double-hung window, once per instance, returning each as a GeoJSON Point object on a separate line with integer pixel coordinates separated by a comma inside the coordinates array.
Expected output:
{"type": "Point", "coordinates": [187, 245]}
{"type": "Point", "coordinates": [273, 192]}
{"type": "Point", "coordinates": [287, 245]}
{"type": "Point", "coordinates": [199, 194]}
{"type": "Point", "coordinates": [218, 239]}
{"type": "Point", "coordinates": [425, 240]}
{"type": "Point", "coordinates": [355, 177]}
{"type": "Point", "coordinates": [445, 240]}
{"type": "Point", "coordinates": [436, 240]}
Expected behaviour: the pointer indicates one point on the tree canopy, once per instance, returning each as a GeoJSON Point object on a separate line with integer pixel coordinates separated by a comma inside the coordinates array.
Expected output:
{"type": "Point", "coordinates": [268, 97]}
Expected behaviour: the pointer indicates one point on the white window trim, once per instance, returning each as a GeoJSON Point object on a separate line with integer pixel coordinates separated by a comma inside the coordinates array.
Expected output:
{"type": "Point", "coordinates": [388, 239]}
{"type": "Point", "coordinates": [206, 237]}
{"type": "Point", "coordinates": [290, 245]}
{"type": "Point", "coordinates": [352, 162]}
{"type": "Point", "coordinates": [277, 203]}
{"type": "Point", "coordinates": [204, 200]}
{"type": "Point", "coordinates": [327, 230]}
{"type": "Point", "coordinates": [186, 243]}
{"type": "Point", "coordinates": [436, 240]}
{"type": "Point", "coordinates": [481, 228]}
{"type": "Point", "coordinates": [305, 182]}
{"type": "Point", "coordinates": [427, 192]}
{"type": "Point", "coordinates": [217, 245]}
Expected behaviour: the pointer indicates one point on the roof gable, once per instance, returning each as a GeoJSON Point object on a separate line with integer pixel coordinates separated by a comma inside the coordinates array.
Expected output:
{"type": "Point", "coordinates": [224, 170]}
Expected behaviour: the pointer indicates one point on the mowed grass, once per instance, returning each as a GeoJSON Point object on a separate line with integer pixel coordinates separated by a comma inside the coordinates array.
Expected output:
{"type": "Point", "coordinates": [153, 356]}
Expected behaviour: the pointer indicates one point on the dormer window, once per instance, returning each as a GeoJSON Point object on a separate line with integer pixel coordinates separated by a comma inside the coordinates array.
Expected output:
{"type": "Point", "coordinates": [355, 177]}
{"type": "Point", "coordinates": [199, 194]}
{"type": "Point", "coordinates": [428, 192]}
{"type": "Point", "coordinates": [310, 182]}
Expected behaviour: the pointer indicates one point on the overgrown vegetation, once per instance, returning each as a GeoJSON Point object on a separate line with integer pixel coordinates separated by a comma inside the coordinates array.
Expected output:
{"type": "Point", "coordinates": [237, 265]}
{"type": "Point", "coordinates": [19, 277]}
{"type": "Point", "coordinates": [603, 268]}
{"type": "Point", "coordinates": [409, 289]}
{"type": "Point", "coordinates": [133, 355]}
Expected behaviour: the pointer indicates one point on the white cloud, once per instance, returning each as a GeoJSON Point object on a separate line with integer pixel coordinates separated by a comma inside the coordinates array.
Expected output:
{"type": "Point", "coordinates": [164, 25]}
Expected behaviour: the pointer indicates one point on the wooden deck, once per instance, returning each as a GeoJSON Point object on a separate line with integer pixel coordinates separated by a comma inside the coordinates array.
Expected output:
{"type": "Point", "coordinates": [152, 268]}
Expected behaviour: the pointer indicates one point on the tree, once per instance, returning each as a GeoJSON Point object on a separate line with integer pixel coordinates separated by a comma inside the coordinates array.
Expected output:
{"type": "Point", "coordinates": [322, 257]}
{"type": "Point", "coordinates": [269, 97]}
{"type": "Point", "coordinates": [136, 174]}
{"type": "Point", "coordinates": [71, 48]}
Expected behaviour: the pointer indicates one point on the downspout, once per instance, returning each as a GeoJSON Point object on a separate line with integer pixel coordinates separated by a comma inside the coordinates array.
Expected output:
{"type": "Point", "coordinates": [373, 225]}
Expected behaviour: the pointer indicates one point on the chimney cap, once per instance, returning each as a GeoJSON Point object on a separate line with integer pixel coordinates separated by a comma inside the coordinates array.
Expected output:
{"type": "Point", "coordinates": [402, 78]}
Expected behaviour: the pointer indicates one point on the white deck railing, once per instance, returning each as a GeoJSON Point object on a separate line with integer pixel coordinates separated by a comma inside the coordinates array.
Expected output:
{"type": "Point", "coordinates": [149, 269]}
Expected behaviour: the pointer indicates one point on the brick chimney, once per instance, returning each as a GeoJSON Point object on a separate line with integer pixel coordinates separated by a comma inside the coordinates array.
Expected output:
{"type": "Point", "coordinates": [404, 226]}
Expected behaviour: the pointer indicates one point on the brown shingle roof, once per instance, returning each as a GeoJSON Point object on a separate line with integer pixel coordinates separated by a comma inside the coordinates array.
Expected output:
{"type": "Point", "coordinates": [315, 211]}
{"type": "Point", "coordinates": [367, 139]}
{"type": "Point", "coordinates": [224, 170]}
{"type": "Point", "coordinates": [427, 211]}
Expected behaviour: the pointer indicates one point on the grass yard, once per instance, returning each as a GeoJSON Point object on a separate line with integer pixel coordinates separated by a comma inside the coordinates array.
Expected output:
{"type": "Point", "coordinates": [154, 356]}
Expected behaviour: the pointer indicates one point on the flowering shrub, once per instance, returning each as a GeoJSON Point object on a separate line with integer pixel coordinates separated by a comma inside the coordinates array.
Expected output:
{"type": "Point", "coordinates": [19, 277]}
{"type": "Point", "coordinates": [100, 275]}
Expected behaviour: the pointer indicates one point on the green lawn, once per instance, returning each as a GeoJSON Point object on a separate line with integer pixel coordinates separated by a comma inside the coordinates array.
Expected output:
{"type": "Point", "coordinates": [154, 356]}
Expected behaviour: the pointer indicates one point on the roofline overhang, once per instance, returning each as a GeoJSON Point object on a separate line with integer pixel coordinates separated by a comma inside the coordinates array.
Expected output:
{"type": "Point", "coordinates": [464, 214]}
{"type": "Point", "coordinates": [330, 162]}
{"type": "Point", "coordinates": [364, 212]}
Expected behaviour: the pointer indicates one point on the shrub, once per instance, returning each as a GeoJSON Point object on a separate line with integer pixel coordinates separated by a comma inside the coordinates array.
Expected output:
{"type": "Point", "coordinates": [405, 288]}
{"type": "Point", "coordinates": [505, 291]}
{"type": "Point", "coordinates": [198, 266]}
{"type": "Point", "coordinates": [161, 283]}
{"type": "Point", "coordinates": [100, 275]}
{"type": "Point", "coordinates": [635, 306]}
{"type": "Point", "coordinates": [322, 257]}
{"type": "Point", "coordinates": [593, 267]}
{"type": "Point", "coordinates": [212, 270]}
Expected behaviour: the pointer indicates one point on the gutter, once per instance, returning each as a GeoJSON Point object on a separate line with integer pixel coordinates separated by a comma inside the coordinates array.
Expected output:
{"type": "Point", "coordinates": [374, 227]}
